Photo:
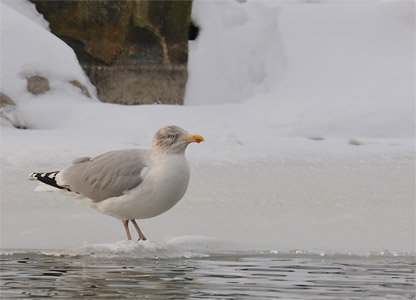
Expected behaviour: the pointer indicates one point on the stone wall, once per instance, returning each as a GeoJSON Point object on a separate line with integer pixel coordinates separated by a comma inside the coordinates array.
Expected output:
{"type": "Point", "coordinates": [133, 51]}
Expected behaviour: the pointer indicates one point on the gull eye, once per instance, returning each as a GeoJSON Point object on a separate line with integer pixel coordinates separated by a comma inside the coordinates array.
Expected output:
{"type": "Point", "coordinates": [171, 136]}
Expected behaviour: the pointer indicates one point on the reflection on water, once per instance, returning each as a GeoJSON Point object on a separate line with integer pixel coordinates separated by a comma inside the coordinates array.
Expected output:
{"type": "Point", "coordinates": [242, 276]}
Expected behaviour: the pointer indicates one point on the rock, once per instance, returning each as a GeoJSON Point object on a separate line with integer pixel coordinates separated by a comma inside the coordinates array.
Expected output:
{"type": "Point", "coordinates": [37, 84]}
{"type": "Point", "coordinates": [6, 101]}
{"type": "Point", "coordinates": [133, 51]}
{"type": "Point", "coordinates": [316, 138]}
{"type": "Point", "coordinates": [83, 89]}
{"type": "Point", "coordinates": [9, 112]}
{"type": "Point", "coordinates": [355, 142]}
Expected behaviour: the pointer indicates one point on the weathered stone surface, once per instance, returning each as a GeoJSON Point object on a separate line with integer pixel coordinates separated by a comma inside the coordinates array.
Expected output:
{"type": "Point", "coordinates": [133, 51]}
{"type": "Point", "coordinates": [147, 85]}
{"type": "Point", "coordinates": [9, 112]}
{"type": "Point", "coordinates": [37, 84]}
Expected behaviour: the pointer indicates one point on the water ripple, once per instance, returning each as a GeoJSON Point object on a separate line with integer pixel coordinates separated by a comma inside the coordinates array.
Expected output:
{"type": "Point", "coordinates": [237, 276]}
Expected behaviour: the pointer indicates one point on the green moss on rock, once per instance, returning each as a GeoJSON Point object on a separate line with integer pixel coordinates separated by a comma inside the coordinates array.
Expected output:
{"type": "Point", "coordinates": [133, 36]}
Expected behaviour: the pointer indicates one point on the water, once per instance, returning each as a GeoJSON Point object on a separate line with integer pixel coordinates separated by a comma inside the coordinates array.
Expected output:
{"type": "Point", "coordinates": [239, 275]}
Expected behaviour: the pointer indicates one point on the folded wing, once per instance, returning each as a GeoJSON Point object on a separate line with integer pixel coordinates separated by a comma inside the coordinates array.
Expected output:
{"type": "Point", "coordinates": [108, 175]}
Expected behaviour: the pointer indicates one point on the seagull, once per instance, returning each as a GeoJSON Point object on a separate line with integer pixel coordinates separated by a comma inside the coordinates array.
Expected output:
{"type": "Point", "coordinates": [129, 184]}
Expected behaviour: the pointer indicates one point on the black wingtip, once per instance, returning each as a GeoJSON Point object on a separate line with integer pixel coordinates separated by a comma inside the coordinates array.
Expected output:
{"type": "Point", "coordinates": [47, 178]}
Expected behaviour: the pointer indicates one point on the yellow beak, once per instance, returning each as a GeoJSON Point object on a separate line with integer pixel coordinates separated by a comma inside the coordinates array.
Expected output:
{"type": "Point", "coordinates": [194, 138]}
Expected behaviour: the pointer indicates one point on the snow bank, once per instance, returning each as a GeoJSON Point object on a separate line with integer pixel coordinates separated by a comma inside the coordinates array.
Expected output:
{"type": "Point", "coordinates": [238, 52]}
{"type": "Point", "coordinates": [306, 69]}
{"type": "Point", "coordinates": [344, 69]}
{"type": "Point", "coordinates": [28, 49]}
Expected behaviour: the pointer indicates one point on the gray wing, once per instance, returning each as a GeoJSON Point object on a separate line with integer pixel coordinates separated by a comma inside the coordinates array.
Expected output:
{"type": "Point", "coordinates": [107, 175]}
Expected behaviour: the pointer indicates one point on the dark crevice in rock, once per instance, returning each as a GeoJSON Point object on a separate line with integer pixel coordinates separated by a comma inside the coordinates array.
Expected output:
{"type": "Point", "coordinates": [193, 32]}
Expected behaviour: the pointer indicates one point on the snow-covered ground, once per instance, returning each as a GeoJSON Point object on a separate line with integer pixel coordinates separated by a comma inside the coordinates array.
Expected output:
{"type": "Point", "coordinates": [308, 112]}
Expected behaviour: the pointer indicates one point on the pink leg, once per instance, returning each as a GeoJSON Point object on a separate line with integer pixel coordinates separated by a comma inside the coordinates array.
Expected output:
{"type": "Point", "coordinates": [141, 236]}
{"type": "Point", "coordinates": [126, 227]}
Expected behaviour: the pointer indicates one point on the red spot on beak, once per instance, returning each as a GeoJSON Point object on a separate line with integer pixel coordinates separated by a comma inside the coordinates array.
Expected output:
{"type": "Point", "coordinates": [196, 138]}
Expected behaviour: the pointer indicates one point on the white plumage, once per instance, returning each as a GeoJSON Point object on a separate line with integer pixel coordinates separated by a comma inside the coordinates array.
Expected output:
{"type": "Point", "coordinates": [130, 184]}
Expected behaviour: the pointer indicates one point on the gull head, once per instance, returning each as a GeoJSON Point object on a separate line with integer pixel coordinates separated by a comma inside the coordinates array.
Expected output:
{"type": "Point", "coordinates": [173, 140]}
